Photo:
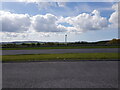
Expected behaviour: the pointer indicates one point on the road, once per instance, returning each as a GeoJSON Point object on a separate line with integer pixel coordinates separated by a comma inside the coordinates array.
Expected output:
{"type": "Point", "coordinates": [51, 51]}
{"type": "Point", "coordinates": [79, 74]}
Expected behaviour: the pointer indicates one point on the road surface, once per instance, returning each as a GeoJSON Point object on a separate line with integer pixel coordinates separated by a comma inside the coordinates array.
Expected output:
{"type": "Point", "coordinates": [52, 51]}
{"type": "Point", "coordinates": [81, 74]}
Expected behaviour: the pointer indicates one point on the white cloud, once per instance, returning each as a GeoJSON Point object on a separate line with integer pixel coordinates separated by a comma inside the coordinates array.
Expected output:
{"type": "Point", "coordinates": [114, 17]}
{"type": "Point", "coordinates": [14, 22]}
{"type": "Point", "coordinates": [46, 23]}
{"type": "Point", "coordinates": [60, 0]}
{"type": "Point", "coordinates": [13, 25]}
{"type": "Point", "coordinates": [10, 36]}
{"type": "Point", "coordinates": [84, 21]}
{"type": "Point", "coordinates": [48, 5]}
{"type": "Point", "coordinates": [36, 36]}
{"type": "Point", "coordinates": [61, 4]}
{"type": "Point", "coordinates": [28, 1]}
{"type": "Point", "coordinates": [45, 5]}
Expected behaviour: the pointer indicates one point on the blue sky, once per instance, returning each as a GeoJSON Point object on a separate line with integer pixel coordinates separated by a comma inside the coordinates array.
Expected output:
{"type": "Point", "coordinates": [33, 9]}
{"type": "Point", "coordinates": [71, 26]}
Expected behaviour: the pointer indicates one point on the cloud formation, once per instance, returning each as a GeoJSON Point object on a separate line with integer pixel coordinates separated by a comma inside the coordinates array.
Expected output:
{"type": "Point", "coordinates": [84, 21]}
{"type": "Point", "coordinates": [12, 22]}
{"type": "Point", "coordinates": [45, 5]}
{"type": "Point", "coordinates": [46, 23]}
{"type": "Point", "coordinates": [50, 26]}
{"type": "Point", "coordinates": [60, 0]}
{"type": "Point", "coordinates": [114, 16]}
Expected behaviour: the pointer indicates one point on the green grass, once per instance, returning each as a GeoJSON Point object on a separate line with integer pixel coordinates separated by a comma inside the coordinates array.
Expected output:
{"type": "Point", "coordinates": [68, 56]}
{"type": "Point", "coordinates": [63, 47]}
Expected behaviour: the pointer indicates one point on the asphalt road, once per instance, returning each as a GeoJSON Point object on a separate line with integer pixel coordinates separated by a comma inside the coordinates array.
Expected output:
{"type": "Point", "coordinates": [81, 74]}
{"type": "Point", "coordinates": [51, 51]}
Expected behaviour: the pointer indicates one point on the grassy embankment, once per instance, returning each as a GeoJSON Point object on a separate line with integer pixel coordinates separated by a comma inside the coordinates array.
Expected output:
{"type": "Point", "coordinates": [63, 47]}
{"type": "Point", "coordinates": [68, 56]}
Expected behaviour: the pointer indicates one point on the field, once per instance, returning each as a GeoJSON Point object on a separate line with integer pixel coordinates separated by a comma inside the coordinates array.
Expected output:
{"type": "Point", "coordinates": [67, 56]}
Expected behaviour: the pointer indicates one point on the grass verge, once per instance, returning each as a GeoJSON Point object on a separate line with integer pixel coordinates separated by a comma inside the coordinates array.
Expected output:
{"type": "Point", "coordinates": [64, 47]}
{"type": "Point", "coordinates": [67, 56]}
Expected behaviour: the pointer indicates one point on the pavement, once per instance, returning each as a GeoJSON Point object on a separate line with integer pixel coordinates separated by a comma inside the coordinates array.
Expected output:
{"type": "Point", "coordinates": [55, 51]}
{"type": "Point", "coordinates": [78, 74]}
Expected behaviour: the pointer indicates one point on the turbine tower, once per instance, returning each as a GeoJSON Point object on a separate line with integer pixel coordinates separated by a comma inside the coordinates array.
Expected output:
{"type": "Point", "coordinates": [66, 38]}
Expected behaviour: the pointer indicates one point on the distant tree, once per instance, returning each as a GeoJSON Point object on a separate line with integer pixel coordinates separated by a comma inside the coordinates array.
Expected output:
{"type": "Point", "coordinates": [23, 44]}
{"type": "Point", "coordinates": [84, 42]}
{"type": "Point", "coordinates": [49, 44]}
{"type": "Point", "coordinates": [38, 44]}
{"type": "Point", "coordinates": [114, 41]}
{"type": "Point", "coordinates": [32, 44]}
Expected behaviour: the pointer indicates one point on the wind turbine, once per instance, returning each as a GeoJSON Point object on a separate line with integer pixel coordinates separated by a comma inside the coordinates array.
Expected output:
{"type": "Point", "coordinates": [66, 39]}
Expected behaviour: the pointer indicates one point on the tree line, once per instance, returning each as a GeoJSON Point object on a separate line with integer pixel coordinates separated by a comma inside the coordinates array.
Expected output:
{"type": "Point", "coordinates": [56, 44]}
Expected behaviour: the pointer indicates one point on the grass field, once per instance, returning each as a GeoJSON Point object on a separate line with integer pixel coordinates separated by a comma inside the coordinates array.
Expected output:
{"type": "Point", "coordinates": [68, 56]}
{"type": "Point", "coordinates": [63, 47]}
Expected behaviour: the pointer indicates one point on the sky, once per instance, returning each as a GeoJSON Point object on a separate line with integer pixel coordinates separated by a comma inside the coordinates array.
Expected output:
{"type": "Point", "coordinates": [51, 21]}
